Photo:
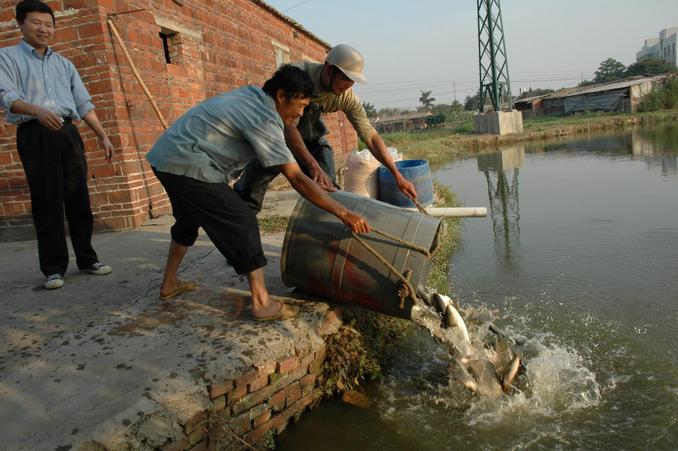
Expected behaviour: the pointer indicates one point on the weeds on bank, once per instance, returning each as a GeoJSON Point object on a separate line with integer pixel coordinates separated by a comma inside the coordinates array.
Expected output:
{"type": "Point", "coordinates": [273, 224]}
{"type": "Point", "coordinates": [348, 362]}
{"type": "Point", "coordinates": [664, 98]}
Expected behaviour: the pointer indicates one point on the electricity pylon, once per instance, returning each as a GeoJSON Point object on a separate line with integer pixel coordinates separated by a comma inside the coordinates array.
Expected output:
{"type": "Point", "coordinates": [494, 74]}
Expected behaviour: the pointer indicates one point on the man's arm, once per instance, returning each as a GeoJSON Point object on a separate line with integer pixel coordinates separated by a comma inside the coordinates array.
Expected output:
{"type": "Point", "coordinates": [44, 116]}
{"type": "Point", "coordinates": [296, 144]}
{"type": "Point", "coordinates": [92, 120]}
{"type": "Point", "coordinates": [314, 194]}
{"type": "Point", "coordinates": [378, 148]}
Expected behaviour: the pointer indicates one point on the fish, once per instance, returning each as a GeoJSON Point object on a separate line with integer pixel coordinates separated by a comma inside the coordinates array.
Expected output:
{"type": "Point", "coordinates": [510, 374]}
{"type": "Point", "coordinates": [486, 379]}
{"type": "Point", "coordinates": [503, 354]}
{"type": "Point", "coordinates": [439, 303]}
{"type": "Point", "coordinates": [454, 319]}
{"type": "Point", "coordinates": [469, 383]}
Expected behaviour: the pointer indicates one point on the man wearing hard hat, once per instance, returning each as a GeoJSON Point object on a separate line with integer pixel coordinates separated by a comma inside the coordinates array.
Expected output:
{"type": "Point", "coordinates": [333, 80]}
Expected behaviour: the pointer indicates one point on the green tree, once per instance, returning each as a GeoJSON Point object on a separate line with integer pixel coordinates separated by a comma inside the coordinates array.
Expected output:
{"type": "Point", "coordinates": [650, 66]}
{"type": "Point", "coordinates": [386, 112]}
{"type": "Point", "coordinates": [586, 83]}
{"type": "Point", "coordinates": [609, 70]}
{"type": "Point", "coordinates": [472, 103]}
{"type": "Point", "coordinates": [370, 109]}
{"type": "Point", "coordinates": [435, 120]}
{"type": "Point", "coordinates": [426, 101]}
{"type": "Point", "coordinates": [448, 110]}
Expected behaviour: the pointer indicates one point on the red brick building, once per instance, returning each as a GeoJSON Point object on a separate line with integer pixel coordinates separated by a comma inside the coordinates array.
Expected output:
{"type": "Point", "coordinates": [185, 51]}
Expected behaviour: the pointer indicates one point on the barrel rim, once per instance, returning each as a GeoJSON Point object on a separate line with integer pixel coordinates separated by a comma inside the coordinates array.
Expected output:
{"type": "Point", "coordinates": [290, 226]}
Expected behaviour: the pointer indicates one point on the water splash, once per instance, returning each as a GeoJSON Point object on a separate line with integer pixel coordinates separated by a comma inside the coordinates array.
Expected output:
{"type": "Point", "coordinates": [554, 380]}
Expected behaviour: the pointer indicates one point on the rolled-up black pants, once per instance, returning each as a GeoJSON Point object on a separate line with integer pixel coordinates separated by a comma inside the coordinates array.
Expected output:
{"type": "Point", "coordinates": [228, 221]}
{"type": "Point", "coordinates": [56, 170]}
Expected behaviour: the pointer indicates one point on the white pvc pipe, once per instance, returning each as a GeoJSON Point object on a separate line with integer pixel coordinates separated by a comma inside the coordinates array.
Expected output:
{"type": "Point", "coordinates": [459, 212]}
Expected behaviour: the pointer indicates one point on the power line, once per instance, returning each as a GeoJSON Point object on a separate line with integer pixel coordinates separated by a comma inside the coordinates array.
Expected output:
{"type": "Point", "coordinates": [439, 82]}
{"type": "Point", "coordinates": [294, 6]}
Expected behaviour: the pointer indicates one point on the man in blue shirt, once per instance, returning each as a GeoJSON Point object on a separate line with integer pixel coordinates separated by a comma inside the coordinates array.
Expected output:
{"type": "Point", "coordinates": [43, 94]}
{"type": "Point", "coordinates": [207, 148]}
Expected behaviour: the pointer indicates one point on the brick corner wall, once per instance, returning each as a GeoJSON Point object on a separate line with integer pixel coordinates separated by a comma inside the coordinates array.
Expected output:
{"type": "Point", "coordinates": [212, 48]}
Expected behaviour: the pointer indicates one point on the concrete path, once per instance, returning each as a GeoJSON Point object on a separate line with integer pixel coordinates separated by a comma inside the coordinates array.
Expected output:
{"type": "Point", "coordinates": [87, 361]}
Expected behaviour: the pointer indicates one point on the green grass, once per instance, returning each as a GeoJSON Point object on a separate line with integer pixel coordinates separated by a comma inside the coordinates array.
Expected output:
{"type": "Point", "coordinates": [438, 277]}
{"type": "Point", "coordinates": [273, 224]}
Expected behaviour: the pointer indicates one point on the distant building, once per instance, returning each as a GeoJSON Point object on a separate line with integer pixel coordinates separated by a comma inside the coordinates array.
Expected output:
{"type": "Point", "coordinates": [615, 96]}
{"type": "Point", "coordinates": [664, 47]}
{"type": "Point", "coordinates": [402, 122]}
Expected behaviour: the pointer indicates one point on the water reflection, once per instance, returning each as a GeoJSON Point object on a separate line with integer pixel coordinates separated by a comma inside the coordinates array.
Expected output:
{"type": "Point", "coordinates": [656, 150]}
{"type": "Point", "coordinates": [656, 146]}
{"type": "Point", "coordinates": [501, 171]}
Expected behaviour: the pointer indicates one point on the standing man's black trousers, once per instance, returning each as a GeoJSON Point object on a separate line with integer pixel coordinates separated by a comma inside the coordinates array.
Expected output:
{"type": "Point", "coordinates": [56, 170]}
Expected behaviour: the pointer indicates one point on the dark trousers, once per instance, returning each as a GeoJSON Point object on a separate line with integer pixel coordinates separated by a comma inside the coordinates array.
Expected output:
{"type": "Point", "coordinates": [56, 170]}
{"type": "Point", "coordinates": [215, 207]}
{"type": "Point", "coordinates": [254, 181]}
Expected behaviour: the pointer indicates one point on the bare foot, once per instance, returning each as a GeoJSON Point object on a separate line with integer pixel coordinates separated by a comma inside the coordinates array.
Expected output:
{"type": "Point", "coordinates": [171, 289]}
{"type": "Point", "coordinates": [269, 309]}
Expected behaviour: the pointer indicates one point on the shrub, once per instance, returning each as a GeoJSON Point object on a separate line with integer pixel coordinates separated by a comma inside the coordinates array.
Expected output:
{"type": "Point", "coordinates": [662, 98]}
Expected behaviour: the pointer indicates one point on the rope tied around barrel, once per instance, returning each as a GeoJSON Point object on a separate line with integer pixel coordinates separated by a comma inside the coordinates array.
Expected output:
{"type": "Point", "coordinates": [407, 244]}
{"type": "Point", "coordinates": [406, 290]}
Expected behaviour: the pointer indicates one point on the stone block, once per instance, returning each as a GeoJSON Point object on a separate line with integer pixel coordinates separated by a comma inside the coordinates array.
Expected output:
{"type": "Point", "coordinates": [278, 401]}
{"type": "Point", "coordinates": [293, 393]}
{"type": "Point", "coordinates": [261, 419]}
{"type": "Point", "coordinates": [176, 445]}
{"type": "Point", "coordinates": [258, 410]}
{"type": "Point", "coordinates": [287, 365]}
{"type": "Point", "coordinates": [195, 421]}
{"type": "Point", "coordinates": [235, 394]}
{"type": "Point", "coordinates": [219, 404]}
{"type": "Point", "coordinates": [266, 368]}
{"type": "Point", "coordinates": [309, 379]}
{"type": "Point", "coordinates": [252, 399]}
{"type": "Point", "coordinates": [217, 390]}
{"type": "Point", "coordinates": [247, 378]}
{"type": "Point", "coordinates": [241, 423]}
{"type": "Point", "coordinates": [499, 122]}
{"type": "Point", "coordinates": [258, 383]}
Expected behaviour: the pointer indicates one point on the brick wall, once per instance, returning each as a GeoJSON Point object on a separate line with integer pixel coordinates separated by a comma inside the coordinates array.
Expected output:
{"type": "Point", "coordinates": [214, 46]}
{"type": "Point", "coordinates": [260, 402]}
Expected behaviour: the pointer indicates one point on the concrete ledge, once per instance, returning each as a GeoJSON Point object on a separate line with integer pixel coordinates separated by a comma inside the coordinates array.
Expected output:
{"type": "Point", "coordinates": [103, 361]}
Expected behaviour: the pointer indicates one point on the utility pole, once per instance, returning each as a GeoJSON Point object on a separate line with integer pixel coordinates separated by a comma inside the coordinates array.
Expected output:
{"type": "Point", "coordinates": [492, 58]}
{"type": "Point", "coordinates": [454, 88]}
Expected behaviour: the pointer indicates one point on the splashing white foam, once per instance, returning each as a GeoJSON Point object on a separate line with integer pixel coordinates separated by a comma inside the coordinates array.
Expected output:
{"type": "Point", "coordinates": [556, 382]}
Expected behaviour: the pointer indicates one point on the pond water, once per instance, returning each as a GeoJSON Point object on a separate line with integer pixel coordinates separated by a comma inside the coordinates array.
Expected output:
{"type": "Point", "coordinates": [579, 253]}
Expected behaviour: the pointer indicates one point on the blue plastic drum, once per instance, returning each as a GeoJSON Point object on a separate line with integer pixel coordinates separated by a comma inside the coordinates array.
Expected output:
{"type": "Point", "coordinates": [417, 172]}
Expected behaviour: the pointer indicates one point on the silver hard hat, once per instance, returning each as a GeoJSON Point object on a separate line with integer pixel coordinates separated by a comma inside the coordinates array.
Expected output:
{"type": "Point", "coordinates": [348, 60]}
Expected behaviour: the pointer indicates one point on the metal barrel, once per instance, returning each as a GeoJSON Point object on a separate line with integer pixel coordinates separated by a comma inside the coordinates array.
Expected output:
{"type": "Point", "coordinates": [416, 171]}
{"type": "Point", "coordinates": [320, 256]}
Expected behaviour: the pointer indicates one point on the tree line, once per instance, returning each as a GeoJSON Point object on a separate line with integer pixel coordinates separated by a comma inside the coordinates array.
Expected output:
{"type": "Point", "coordinates": [609, 70]}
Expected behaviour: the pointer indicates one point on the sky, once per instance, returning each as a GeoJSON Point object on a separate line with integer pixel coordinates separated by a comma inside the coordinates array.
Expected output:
{"type": "Point", "coordinates": [432, 45]}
